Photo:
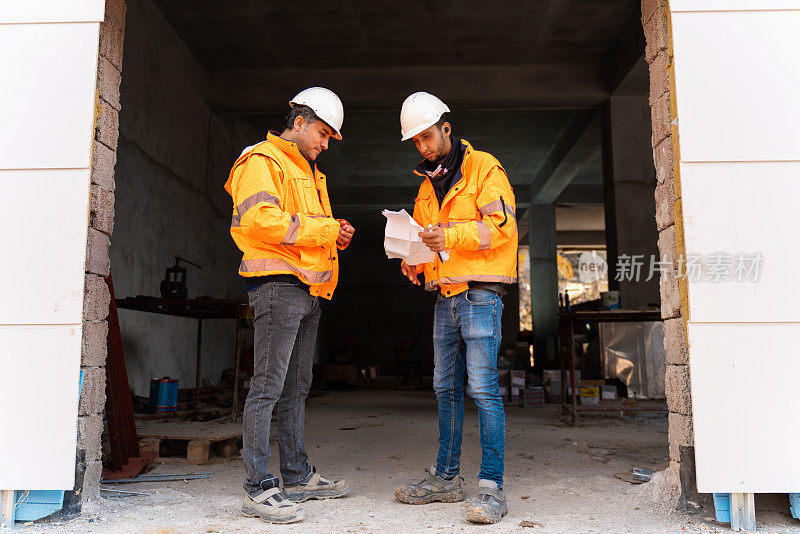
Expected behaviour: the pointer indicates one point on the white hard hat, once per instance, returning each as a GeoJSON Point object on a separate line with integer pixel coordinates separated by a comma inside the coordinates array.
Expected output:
{"type": "Point", "coordinates": [326, 106]}
{"type": "Point", "coordinates": [419, 112]}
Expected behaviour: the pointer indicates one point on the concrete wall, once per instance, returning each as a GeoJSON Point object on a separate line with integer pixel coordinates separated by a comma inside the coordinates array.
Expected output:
{"type": "Point", "coordinates": [380, 306]}
{"type": "Point", "coordinates": [374, 301]}
{"type": "Point", "coordinates": [173, 158]}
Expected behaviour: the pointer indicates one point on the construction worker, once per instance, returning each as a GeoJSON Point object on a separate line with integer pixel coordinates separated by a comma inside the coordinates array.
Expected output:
{"type": "Point", "coordinates": [283, 224]}
{"type": "Point", "coordinates": [466, 197]}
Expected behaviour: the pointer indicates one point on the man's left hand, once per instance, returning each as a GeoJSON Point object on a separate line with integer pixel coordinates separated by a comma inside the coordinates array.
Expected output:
{"type": "Point", "coordinates": [346, 232]}
{"type": "Point", "coordinates": [433, 238]}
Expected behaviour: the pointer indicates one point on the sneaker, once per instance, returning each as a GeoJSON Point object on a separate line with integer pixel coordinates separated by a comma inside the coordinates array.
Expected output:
{"type": "Point", "coordinates": [489, 506]}
{"type": "Point", "coordinates": [317, 487]}
{"type": "Point", "coordinates": [272, 505]}
{"type": "Point", "coordinates": [430, 489]}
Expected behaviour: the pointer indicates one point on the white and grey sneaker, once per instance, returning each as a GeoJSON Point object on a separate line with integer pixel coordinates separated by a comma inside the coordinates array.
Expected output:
{"type": "Point", "coordinates": [430, 489]}
{"type": "Point", "coordinates": [317, 487]}
{"type": "Point", "coordinates": [489, 506]}
{"type": "Point", "coordinates": [272, 505]}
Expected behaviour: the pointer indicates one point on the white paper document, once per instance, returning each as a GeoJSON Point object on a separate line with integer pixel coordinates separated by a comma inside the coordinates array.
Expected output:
{"type": "Point", "coordinates": [401, 239]}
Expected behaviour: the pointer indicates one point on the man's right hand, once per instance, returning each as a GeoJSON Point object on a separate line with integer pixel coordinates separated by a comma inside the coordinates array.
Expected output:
{"type": "Point", "coordinates": [410, 272]}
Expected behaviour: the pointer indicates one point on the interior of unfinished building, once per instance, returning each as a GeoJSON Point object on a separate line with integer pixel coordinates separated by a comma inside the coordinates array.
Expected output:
{"type": "Point", "coordinates": [572, 97]}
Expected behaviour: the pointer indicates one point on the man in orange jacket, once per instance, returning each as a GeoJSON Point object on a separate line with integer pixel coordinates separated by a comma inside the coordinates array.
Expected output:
{"type": "Point", "coordinates": [467, 200]}
{"type": "Point", "coordinates": [283, 224]}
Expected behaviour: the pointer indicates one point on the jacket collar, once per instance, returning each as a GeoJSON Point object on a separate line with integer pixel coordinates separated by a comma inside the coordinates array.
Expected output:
{"type": "Point", "coordinates": [467, 152]}
{"type": "Point", "coordinates": [290, 149]}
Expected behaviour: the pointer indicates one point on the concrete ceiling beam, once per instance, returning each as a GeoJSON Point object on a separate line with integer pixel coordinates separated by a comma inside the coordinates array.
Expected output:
{"type": "Point", "coordinates": [566, 157]}
{"type": "Point", "coordinates": [552, 85]}
{"type": "Point", "coordinates": [625, 69]}
{"type": "Point", "coordinates": [581, 194]}
{"type": "Point", "coordinates": [372, 195]}
{"type": "Point", "coordinates": [377, 197]}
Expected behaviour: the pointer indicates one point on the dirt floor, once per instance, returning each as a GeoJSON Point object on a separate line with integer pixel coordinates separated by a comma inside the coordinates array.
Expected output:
{"type": "Point", "coordinates": [559, 479]}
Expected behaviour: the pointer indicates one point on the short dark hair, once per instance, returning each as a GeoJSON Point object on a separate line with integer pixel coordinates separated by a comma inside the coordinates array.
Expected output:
{"type": "Point", "coordinates": [299, 110]}
{"type": "Point", "coordinates": [442, 120]}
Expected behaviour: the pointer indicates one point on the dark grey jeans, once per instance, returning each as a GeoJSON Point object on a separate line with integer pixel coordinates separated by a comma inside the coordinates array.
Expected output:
{"type": "Point", "coordinates": [286, 322]}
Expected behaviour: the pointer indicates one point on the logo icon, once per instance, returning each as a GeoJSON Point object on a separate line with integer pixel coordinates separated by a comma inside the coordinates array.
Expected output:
{"type": "Point", "coordinates": [591, 267]}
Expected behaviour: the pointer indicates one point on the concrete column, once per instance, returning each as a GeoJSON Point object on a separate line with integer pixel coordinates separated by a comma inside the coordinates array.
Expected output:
{"type": "Point", "coordinates": [544, 271]}
{"type": "Point", "coordinates": [630, 183]}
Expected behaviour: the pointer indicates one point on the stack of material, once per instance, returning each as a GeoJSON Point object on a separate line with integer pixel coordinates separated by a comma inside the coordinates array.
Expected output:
{"type": "Point", "coordinates": [517, 386]}
{"type": "Point", "coordinates": [505, 381]}
{"type": "Point", "coordinates": [590, 395]}
{"type": "Point", "coordinates": [533, 396]}
{"type": "Point", "coordinates": [608, 392]}
{"type": "Point", "coordinates": [552, 384]}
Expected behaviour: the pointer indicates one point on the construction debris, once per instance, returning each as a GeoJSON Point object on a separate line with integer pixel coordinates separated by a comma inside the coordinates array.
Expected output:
{"type": "Point", "coordinates": [174, 477]}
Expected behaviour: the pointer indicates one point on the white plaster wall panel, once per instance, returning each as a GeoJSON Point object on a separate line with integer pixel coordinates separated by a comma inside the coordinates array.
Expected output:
{"type": "Point", "coordinates": [766, 216]}
{"type": "Point", "coordinates": [48, 94]}
{"type": "Point", "coordinates": [709, 228]}
{"type": "Point", "coordinates": [736, 90]}
{"type": "Point", "coordinates": [39, 371]}
{"type": "Point", "coordinates": [44, 216]}
{"type": "Point", "coordinates": [744, 388]}
{"type": "Point", "coordinates": [732, 5]}
{"type": "Point", "coordinates": [733, 208]}
{"type": "Point", "coordinates": [20, 11]}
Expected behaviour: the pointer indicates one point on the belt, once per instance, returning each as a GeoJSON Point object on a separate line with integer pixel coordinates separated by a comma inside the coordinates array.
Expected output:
{"type": "Point", "coordinates": [255, 282]}
{"type": "Point", "coordinates": [497, 287]}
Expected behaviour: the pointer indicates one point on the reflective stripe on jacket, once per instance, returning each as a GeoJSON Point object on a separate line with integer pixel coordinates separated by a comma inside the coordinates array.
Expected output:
{"type": "Point", "coordinates": [479, 218]}
{"type": "Point", "coordinates": [282, 218]}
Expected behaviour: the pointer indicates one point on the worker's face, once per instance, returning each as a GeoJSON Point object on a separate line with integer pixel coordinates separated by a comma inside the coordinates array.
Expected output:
{"type": "Point", "coordinates": [311, 137]}
{"type": "Point", "coordinates": [434, 143]}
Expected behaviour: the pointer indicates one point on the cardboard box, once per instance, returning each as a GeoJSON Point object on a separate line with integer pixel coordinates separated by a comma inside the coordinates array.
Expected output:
{"type": "Point", "coordinates": [518, 379]}
{"type": "Point", "coordinates": [608, 392]}
{"type": "Point", "coordinates": [599, 383]}
{"type": "Point", "coordinates": [548, 375]}
{"type": "Point", "coordinates": [341, 374]}
{"type": "Point", "coordinates": [533, 397]}
{"type": "Point", "coordinates": [555, 374]}
{"type": "Point", "coordinates": [589, 395]}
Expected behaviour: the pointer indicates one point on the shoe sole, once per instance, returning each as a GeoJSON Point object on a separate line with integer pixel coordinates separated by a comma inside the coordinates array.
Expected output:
{"type": "Point", "coordinates": [298, 516]}
{"type": "Point", "coordinates": [303, 496]}
{"type": "Point", "coordinates": [474, 516]}
{"type": "Point", "coordinates": [452, 496]}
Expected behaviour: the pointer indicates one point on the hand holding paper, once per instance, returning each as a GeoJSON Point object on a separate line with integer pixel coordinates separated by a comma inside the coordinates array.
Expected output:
{"type": "Point", "coordinates": [402, 239]}
{"type": "Point", "coordinates": [434, 238]}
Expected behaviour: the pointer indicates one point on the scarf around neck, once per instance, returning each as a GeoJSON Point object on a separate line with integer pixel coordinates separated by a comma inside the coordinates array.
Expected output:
{"type": "Point", "coordinates": [442, 174]}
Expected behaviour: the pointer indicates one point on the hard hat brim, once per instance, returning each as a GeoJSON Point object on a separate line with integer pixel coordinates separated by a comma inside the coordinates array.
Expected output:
{"type": "Point", "coordinates": [416, 131]}
{"type": "Point", "coordinates": [336, 133]}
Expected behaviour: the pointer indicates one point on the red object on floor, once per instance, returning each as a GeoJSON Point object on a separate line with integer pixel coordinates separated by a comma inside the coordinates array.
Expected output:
{"type": "Point", "coordinates": [126, 459]}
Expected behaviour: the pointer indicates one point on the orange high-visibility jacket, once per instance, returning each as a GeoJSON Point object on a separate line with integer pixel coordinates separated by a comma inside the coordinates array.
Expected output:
{"type": "Point", "coordinates": [478, 214]}
{"type": "Point", "coordinates": [282, 218]}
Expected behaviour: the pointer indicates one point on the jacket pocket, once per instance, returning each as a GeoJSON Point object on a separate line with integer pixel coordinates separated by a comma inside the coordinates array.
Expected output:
{"type": "Point", "coordinates": [464, 208]}
{"type": "Point", "coordinates": [302, 189]}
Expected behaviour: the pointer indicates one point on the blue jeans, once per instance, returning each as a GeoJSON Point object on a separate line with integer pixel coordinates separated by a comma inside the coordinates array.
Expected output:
{"type": "Point", "coordinates": [286, 323]}
{"type": "Point", "coordinates": [466, 337]}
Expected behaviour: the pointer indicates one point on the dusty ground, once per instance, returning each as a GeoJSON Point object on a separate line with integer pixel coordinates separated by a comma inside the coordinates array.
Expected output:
{"type": "Point", "coordinates": [560, 479]}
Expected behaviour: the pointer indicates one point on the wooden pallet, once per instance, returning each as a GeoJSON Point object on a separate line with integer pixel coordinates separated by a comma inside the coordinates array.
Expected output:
{"type": "Point", "coordinates": [198, 442]}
